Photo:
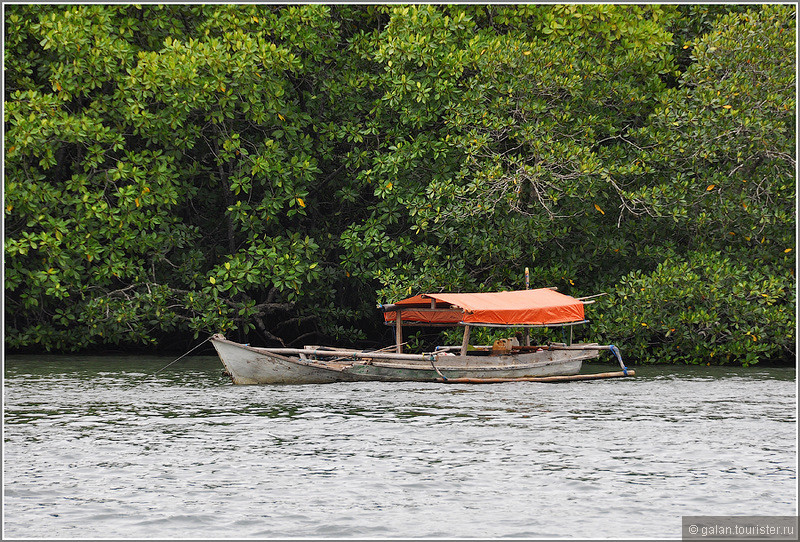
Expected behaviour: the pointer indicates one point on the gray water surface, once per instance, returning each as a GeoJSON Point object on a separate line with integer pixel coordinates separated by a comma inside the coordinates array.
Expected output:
{"type": "Point", "coordinates": [96, 448]}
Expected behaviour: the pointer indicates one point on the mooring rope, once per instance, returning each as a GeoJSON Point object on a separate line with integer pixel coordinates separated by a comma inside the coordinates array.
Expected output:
{"type": "Point", "coordinates": [435, 368]}
{"type": "Point", "coordinates": [175, 361]}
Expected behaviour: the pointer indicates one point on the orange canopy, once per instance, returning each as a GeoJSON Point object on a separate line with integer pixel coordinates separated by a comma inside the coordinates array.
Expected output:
{"type": "Point", "coordinates": [521, 307]}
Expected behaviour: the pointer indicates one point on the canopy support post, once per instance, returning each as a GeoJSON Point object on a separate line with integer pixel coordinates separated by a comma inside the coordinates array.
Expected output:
{"type": "Point", "coordinates": [527, 287]}
{"type": "Point", "coordinates": [398, 332]}
{"type": "Point", "coordinates": [465, 342]}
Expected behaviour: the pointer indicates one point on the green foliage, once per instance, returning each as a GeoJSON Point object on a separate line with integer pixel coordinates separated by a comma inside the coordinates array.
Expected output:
{"type": "Point", "coordinates": [268, 170]}
{"type": "Point", "coordinates": [154, 179]}
{"type": "Point", "coordinates": [702, 308]}
{"type": "Point", "coordinates": [721, 162]}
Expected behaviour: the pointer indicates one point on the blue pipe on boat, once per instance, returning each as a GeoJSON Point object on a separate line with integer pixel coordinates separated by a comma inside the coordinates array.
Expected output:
{"type": "Point", "coordinates": [618, 354]}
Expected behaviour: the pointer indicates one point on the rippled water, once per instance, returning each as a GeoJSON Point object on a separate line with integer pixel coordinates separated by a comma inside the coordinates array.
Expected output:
{"type": "Point", "coordinates": [94, 447]}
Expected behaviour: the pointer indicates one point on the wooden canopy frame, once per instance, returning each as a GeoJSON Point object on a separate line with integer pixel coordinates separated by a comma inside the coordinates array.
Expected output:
{"type": "Point", "coordinates": [543, 307]}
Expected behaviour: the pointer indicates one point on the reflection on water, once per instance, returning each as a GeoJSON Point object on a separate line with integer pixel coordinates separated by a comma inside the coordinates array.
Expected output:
{"type": "Point", "coordinates": [98, 447]}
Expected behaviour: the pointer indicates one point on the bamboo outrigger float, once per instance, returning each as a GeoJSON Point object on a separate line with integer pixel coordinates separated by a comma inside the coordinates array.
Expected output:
{"type": "Point", "coordinates": [504, 361]}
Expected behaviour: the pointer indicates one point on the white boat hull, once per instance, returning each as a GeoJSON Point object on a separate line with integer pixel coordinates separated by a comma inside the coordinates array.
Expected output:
{"type": "Point", "coordinates": [251, 365]}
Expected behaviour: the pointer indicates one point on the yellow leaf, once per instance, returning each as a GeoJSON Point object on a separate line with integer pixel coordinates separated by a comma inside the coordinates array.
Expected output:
{"type": "Point", "coordinates": [710, 187]}
{"type": "Point", "coordinates": [686, 46]}
{"type": "Point", "coordinates": [300, 202]}
{"type": "Point", "coordinates": [726, 107]}
{"type": "Point", "coordinates": [389, 186]}
{"type": "Point", "coordinates": [281, 117]}
{"type": "Point", "coordinates": [58, 85]}
{"type": "Point", "coordinates": [146, 190]}
{"type": "Point", "coordinates": [788, 250]}
{"type": "Point", "coordinates": [11, 149]}
{"type": "Point", "coordinates": [212, 280]}
{"type": "Point", "coordinates": [526, 53]}
{"type": "Point", "coordinates": [599, 209]}
{"type": "Point", "coordinates": [9, 207]}
{"type": "Point", "coordinates": [137, 202]}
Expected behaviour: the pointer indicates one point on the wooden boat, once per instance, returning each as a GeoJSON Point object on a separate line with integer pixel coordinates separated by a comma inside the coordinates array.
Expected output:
{"type": "Point", "coordinates": [504, 361]}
